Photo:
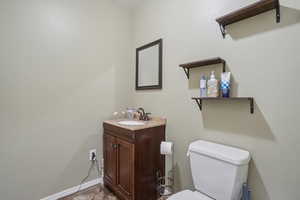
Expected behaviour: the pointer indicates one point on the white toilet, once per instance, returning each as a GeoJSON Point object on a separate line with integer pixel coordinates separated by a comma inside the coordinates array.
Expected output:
{"type": "Point", "coordinates": [218, 171]}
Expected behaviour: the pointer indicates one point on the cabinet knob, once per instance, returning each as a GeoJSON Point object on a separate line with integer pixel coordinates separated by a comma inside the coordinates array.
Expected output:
{"type": "Point", "coordinates": [114, 146]}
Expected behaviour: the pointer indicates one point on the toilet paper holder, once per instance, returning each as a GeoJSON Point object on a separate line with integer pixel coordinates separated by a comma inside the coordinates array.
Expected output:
{"type": "Point", "coordinates": [165, 184]}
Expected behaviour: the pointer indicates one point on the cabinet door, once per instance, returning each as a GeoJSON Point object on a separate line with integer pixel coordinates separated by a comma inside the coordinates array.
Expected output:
{"type": "Point", "coordinates": [110, 158]}
{"type": "Point", "coordinates": [125, 168]}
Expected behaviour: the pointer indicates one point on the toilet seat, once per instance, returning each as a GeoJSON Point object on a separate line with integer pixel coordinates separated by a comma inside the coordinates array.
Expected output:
{"type": "Point", "coordinates": [189, 195]}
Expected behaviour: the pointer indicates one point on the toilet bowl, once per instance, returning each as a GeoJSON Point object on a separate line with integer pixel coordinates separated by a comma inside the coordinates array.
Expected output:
{"type": "Point", "coordinates": [218, 172]}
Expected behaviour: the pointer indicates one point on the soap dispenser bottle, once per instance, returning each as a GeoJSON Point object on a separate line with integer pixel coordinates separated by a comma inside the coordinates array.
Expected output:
{"type": "Point", "coordinates": [212, 86]}
{"type": "Point", "coordinates": [203, 86]}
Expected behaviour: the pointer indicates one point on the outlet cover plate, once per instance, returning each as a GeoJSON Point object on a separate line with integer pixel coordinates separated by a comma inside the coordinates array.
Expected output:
{"type": "Point", "coordinates": [91, 154]}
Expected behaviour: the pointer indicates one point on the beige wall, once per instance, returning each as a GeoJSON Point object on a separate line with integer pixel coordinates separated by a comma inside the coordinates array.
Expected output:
{"type": "Point", "coordinates": [63, 70]}
{"type": "Point", "coordinates": [264, 59]}
{"type": "Point", "coordinates": [66, 65]}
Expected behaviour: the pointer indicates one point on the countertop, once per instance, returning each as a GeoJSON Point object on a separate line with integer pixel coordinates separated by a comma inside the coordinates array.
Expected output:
{"type": "Point", "coordinates": [153, 122]}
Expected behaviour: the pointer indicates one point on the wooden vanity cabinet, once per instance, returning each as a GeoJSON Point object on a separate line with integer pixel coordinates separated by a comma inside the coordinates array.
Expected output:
{"type": "Point", "coordinates": [131, 161]}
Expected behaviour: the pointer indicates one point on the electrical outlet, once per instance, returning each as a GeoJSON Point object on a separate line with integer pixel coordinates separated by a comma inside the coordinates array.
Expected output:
{"type": "Point", "coordinates": [91, 153]}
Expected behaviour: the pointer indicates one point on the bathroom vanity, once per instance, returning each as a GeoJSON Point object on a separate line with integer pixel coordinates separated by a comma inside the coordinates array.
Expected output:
{"type": "Point", "coordinates": [132, 158]}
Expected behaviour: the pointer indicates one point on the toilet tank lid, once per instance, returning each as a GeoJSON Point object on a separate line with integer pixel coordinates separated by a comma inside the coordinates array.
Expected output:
{"type": "Point", "coordinates": [218, 151]}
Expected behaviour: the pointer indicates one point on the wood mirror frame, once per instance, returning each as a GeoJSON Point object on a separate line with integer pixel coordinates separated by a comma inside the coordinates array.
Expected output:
{"type": "Point", "coordinates": [138, 50]}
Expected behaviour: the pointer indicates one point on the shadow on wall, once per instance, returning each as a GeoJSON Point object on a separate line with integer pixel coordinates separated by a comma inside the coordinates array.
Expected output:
{"type": "Point", "coordinates": [240, 120]}
{"type": "Point", "coordinates": [257, 185]}
{"type": "Point", "coordinates": [233, 117]}
{"type": "Point", "coordinates": [177, 182]}
{"type": "Point", "coordinates": [255, 179]}
{"type": "Point", "coordinates": [243, 123]}
{"type": "Point", "coordinates": [263, 23]}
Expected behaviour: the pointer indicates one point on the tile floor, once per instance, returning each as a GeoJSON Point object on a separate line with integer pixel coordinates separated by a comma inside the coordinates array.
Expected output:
{"type": "Point", "coordinates": [94, 193]}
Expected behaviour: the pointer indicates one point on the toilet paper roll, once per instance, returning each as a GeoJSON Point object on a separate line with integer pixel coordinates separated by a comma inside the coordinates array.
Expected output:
{"type": "Point", "coordinates": [166, 148]}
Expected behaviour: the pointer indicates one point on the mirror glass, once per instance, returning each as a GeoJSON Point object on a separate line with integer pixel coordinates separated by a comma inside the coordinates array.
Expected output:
{"type": "Point", "coordinates": [149, 66]}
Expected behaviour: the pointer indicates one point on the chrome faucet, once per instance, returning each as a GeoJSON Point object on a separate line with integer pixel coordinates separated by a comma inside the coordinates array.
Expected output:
{"type": "Point", "coordinates": [143, 115]}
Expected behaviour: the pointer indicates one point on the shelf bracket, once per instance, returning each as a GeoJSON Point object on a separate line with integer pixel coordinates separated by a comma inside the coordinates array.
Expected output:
{"type": "Point", "coordinates": [224, 66]}
{"type": "Point", "coordinates": [223, 30]}
{"type": "Point", "coordinates": [251, 105]}
{"type": "Point", "coordinates": [187, 72]}
{"type": "Point", "coordinates": [199, 102]}
{"type": "Point", "coordinates": [278, 15]}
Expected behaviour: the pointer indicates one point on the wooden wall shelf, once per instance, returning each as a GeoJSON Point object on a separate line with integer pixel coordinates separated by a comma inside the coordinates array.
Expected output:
{"type": "Point", "coordinates": [249, 11]}
{"type": "Point", "coordinates": [200, 99]}
{"type": "Point", "coordinates": [187, 66]}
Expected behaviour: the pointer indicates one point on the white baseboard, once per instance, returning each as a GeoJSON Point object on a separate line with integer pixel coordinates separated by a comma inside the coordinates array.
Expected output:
{"type": "Point", "coordinates": [74, 189]}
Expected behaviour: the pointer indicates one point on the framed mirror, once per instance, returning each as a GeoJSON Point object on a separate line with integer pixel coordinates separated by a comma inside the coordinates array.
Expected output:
{"type": "Point", "coordinates": [149, 66]}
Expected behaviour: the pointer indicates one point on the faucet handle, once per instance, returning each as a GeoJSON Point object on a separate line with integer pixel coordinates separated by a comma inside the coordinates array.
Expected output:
{"type": "Point", "coordinates": [147, 118]}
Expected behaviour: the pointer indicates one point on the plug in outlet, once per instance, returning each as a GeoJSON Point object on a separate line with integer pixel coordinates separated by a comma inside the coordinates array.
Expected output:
{"type": "Point", "coordinates": [92, 154]}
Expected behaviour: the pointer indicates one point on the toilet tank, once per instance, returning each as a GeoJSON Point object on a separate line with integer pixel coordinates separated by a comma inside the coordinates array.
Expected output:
{"type": "Point", "coordinates": [218, 171]}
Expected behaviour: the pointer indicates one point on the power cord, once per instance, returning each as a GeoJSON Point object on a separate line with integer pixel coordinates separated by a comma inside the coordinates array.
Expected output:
{"type": "Point", "coordinates": [99, 172]}
{"type": "Point", "coordinates": [85, 178]}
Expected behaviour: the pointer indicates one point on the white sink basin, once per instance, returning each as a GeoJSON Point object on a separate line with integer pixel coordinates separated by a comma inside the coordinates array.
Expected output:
{"type": "Point", "coordinates": [131, 123]}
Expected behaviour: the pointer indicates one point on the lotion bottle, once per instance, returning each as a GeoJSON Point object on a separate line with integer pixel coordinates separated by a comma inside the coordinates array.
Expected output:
{"type": "Point", "coordinates": [203, 86]}
{"type": "Point", "coordinates": [212, 86]}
